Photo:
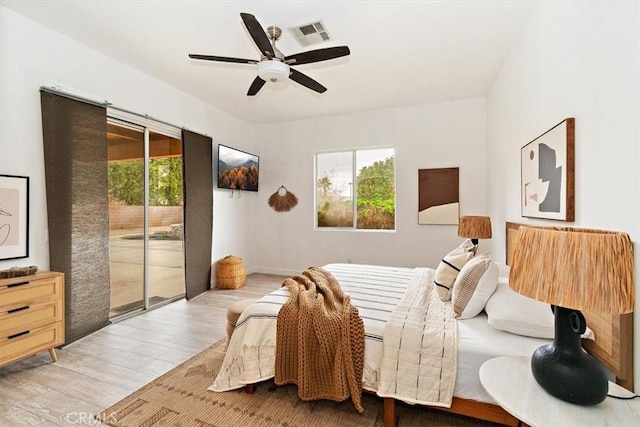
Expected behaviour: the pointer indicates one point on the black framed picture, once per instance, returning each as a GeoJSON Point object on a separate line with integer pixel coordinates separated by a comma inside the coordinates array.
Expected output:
{"type": "Point", "coordinates": [14, 217]}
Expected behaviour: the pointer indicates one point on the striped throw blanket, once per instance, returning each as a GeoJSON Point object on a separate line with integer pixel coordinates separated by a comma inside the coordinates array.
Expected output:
{"type": "Point", "coordinates": [420, 348]}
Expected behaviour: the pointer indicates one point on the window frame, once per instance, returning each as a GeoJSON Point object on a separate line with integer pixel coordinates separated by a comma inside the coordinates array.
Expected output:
{"type": "Point", "coordinates": [354, 190]}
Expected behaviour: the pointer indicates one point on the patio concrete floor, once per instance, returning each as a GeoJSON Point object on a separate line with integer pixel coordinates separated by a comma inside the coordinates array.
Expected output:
{"type": "Point", "coordinates": [166, 268]}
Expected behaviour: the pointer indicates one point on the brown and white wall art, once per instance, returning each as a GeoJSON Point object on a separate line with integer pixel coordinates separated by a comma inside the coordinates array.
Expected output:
{"type": "Point", "coordinates": [438, 196]}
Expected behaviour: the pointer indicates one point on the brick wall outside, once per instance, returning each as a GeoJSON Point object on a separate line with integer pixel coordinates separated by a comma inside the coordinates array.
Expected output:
{"type": "Point", "coordinates": [124, 217]}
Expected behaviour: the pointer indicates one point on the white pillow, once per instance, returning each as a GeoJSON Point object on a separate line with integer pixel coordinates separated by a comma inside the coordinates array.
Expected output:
{"type": "Point", "coordinates": [509, 311]}
{"type": "Point", "coordinates": [448, 269]}
{"type": "Point", "coordinates": [474, 286]}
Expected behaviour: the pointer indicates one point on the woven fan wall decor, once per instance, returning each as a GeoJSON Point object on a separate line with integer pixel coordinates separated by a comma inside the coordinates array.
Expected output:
{"type": "Point", "coordinates": [283, 200]}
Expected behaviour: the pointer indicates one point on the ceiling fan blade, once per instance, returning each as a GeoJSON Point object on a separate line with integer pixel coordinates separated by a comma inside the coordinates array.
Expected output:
{"type": "Point", "coordinates": [223, 59]}
{"type": "Point", "coordinates": [255, 86]}
{"type": "Point", "coordinates": [317, 55]}
{"type": "Point", "coordinates": [257, 34]}
{"type": "Point", "coordinates": [306, 81]}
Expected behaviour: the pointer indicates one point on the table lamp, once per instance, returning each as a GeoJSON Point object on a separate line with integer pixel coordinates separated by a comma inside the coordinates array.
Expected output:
{"type": "Point", "coordinates": [474, 227]}
{"type": "Point", "coordinates": [573, 269]}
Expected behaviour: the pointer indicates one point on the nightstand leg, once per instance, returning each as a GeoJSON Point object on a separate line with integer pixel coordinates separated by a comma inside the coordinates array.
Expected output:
{"type": "Point", "coordinates": [52, 352]}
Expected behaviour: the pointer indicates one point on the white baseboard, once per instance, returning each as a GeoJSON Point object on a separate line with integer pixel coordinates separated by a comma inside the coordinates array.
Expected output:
{"type": "Point", "coordinates": [261, 270]}
{"type": "Point", "coordinates": [275, 271]}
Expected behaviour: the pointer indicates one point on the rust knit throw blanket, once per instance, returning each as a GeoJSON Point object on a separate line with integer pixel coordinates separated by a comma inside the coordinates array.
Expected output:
{"type": "Point", "coordinates": [320, 340]}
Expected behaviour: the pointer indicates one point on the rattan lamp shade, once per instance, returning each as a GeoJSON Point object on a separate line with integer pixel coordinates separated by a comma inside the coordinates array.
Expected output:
{"type": "Point", "coordinates": [474, 227]}
{"type": "Point", "coordinates": [582, 269]}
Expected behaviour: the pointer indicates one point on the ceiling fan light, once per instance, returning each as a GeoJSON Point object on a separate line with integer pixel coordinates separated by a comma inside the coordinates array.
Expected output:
{"type": "Point", "coordinates": [273, 71]}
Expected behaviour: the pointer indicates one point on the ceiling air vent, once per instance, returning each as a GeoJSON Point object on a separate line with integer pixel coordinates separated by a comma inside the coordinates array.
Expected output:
{"type": "Point", "coordinates": [310, 34]}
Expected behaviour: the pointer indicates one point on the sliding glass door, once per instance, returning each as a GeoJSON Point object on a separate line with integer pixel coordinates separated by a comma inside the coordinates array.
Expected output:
{"type": "Point", "coordinates": [166, 251]}
{"type": "Point", "coordinates": [145, 217]}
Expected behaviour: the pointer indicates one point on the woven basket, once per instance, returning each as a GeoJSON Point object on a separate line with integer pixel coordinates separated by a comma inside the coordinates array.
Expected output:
{"type": "Point", "coordinates": [230, 273]}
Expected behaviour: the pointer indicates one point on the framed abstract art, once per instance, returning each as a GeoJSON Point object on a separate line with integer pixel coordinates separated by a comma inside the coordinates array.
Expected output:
{"type": "Point", "coordinates": [547, 183]}
{"type": "Point", "coordinates": [14, 217]}
{"type": "Point", "coordinates": [438, 196]}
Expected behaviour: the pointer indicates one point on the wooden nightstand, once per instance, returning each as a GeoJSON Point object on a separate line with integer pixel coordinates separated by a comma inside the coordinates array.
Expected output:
{"type": "Point", "coordinates": [31, 315]}
{"type": "Point", "coordinates": [509, 381]}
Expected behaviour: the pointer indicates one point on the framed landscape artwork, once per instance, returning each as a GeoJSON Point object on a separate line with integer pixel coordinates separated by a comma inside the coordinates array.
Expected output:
{"type": "Point", "coordinates": [14, 217]}
{"type": "Point", "coordinates": [548, 174]}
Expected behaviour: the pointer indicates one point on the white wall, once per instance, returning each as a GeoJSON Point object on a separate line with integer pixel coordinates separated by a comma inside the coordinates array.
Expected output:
{"type": "Point", "coordinates": [427, 136]}
{"type": "Point", "coordinates": [582, 60]}
{"type": "Point", "coordinates": [32, 55]}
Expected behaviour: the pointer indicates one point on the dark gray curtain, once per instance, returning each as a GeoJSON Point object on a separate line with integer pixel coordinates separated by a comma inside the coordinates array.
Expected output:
{"type": "Point", "coordinates": [75, 153]}
{"type": "Point", "coordinates": [198, 211]}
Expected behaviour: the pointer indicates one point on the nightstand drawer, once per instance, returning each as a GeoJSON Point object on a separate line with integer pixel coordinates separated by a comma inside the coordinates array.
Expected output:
{"type": "Point", "coordinates": [29, 317]}
{"type": "Point", "coordinates": [19, 292]}
{"type": "Point", "coordinates": [30, 341]}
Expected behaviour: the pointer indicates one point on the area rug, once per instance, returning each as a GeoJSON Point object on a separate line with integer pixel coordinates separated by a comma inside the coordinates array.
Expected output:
{"type": "Point", "coordinates": [180, 398]}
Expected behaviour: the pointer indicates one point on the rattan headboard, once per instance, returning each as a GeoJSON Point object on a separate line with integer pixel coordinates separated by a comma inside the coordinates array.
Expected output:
{"type": "Point", "coordinates": [613, 345]}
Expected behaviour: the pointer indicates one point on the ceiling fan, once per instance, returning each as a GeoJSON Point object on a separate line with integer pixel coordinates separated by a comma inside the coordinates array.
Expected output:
{"type": "Point", "coordinates": [273, 66]}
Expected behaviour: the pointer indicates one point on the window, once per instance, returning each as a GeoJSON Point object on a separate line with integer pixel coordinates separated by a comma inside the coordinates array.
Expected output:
{"type": "Point", "coordinates": [356, 189]}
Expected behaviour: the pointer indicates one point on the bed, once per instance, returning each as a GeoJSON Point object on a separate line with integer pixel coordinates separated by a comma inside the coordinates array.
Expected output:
{"type": "Point", "coordinates": [375, 291]}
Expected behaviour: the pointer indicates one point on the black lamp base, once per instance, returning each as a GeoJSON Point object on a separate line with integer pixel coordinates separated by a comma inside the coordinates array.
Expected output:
{"type": "Point", "coordinates": [564, 369]}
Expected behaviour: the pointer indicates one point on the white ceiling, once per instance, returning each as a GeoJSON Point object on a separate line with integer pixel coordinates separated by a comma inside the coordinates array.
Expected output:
{"type": "Point", "coordinates": [402, 52]}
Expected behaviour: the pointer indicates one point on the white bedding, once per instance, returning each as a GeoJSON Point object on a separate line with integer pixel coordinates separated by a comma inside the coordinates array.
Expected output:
{"type": "Point", "coordinates": [420, 352]}
{"type": "Point", "coordinates": [479, 342]}
{"type": "Point", "coordinates": [374, 290]}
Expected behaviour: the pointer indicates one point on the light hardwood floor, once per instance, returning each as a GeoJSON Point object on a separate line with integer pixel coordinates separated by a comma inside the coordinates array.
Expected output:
{"type": "Point", "coordinates": [98, 370]}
